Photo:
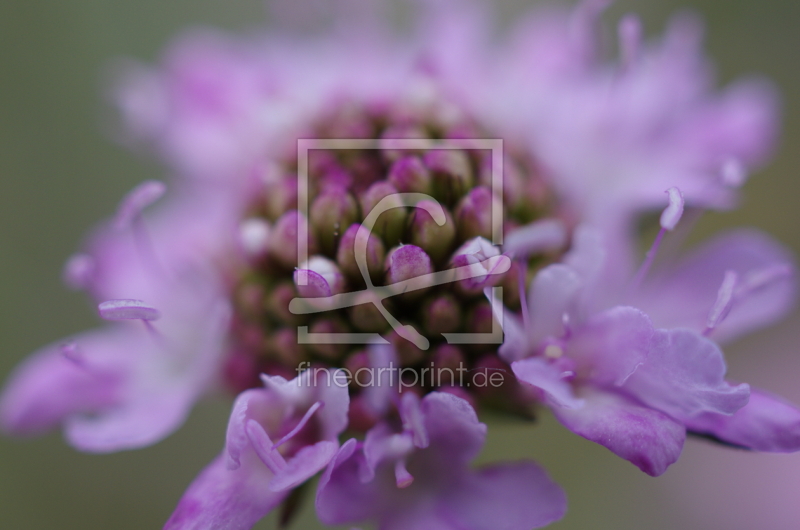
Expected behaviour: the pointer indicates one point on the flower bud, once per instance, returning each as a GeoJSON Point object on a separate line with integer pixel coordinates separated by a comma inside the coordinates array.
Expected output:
{"type": "Point", "coordinates": [448, 358]}
{"type": "Point", "coordinates": [451, 173]}
{"type": "Point", "coordinates": [325, 349]}
{"type": "Point", "coordinates": [318, 277]}
{"type": "Point", "coordinates": [408, 174]}
{"type": "Point", "coordinates": [475, 212]}
{"type": "Point", "coordinates": [283, 240]}
{"type": "Point", "coordinates": [331, 213]}
{"type": "Point", "coordinates": [494, 382]}
{"type": "Point", "coordinates": [276, 304]}
{"type": "Point", "coordinates": [346, 259]}
{"type": "Point", "coordinates": [441, 314]}
{"type": "Point", "coordinates": [391, 223]}
{"type": "Point", "coordinates": [365, 316]}
{"type": "Point", "coordinates": [479, 265]}
{"type": "Point", "coordinates": [254, 237]}
{"type": "Point", "coordinates": [393, 150]}
{"type": "Point", "coordinates": [408, 354]}
{"type": "Point", "coordinates": [283, 346]}
{"type": "Point", "coordinates": [437, 241]}
{"type": "Point", "coordinates": [406, 262]}
{"type": "Point", "coordinates": [280, 196]}
{"type": "Point", "coordinates": [356, 361]}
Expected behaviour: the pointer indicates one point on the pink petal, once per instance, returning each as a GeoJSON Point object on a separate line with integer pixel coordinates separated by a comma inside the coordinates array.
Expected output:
{"type": "Point", "coordinates": [647, 438]}
{"type": "Point", "coordinates": [684, 375]}
{"type": "Point", "coordinates": [767, 423]}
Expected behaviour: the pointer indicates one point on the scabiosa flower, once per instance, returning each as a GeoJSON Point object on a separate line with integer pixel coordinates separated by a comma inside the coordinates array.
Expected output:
{"type": "Point", "coordinates": [352, 205]}
{"type": "Point", "coordinates": [636, 382]}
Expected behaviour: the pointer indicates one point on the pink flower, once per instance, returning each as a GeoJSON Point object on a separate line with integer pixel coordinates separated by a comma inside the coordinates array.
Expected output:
{"type": "Point", "coordinates": [132, 383]}
{"type": "Point", "coordinates": [612, 374]}
{"type": "Point", "coordinates": [278, 437]}
{"type": "Point", "coordinates": [418, 476]}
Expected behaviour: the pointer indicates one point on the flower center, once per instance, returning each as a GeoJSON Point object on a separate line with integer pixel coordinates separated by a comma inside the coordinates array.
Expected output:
{"type": "Point", "coordinates": [396, 241]}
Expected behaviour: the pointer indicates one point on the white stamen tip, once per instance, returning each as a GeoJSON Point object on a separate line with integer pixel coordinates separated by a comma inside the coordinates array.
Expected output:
{"type": "Point", "coordinates": [725, 296]}
{"type": "Point", "coordinates": [630, 38]}
{"type": "Point", "coordinates": [137, 200]}
{"type": "Point", "coordinates": [254, 237]}
{"type": "Point", "coordinates": [672, 213]}
{"type": "Point", "coordinates": [127, 310]}
{"type": "Point", "coordinates": [78, 271]}
{"type": "Point", "coordinates": [733, 173]}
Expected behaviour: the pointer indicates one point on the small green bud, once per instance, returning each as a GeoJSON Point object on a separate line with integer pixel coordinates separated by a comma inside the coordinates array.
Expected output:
{"type": "Point", "coordinates": [437, 241]}
{"type": "Point", "coordinates": [331, 213]}
{"type": "Point", "coordinates": [391, 223]}
{"type": "Point", "coordinates": [452, 174]}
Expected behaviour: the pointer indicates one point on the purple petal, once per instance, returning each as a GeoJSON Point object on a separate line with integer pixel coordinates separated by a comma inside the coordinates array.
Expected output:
{"type": "Point", "coordinates": [311, 284]}
{"type": "Point", "coordinates": [306, 463]}
{"type": "Point", "coordinates": [332, 390]}
{"type": "Point", "coordinates": [508, 496]}
{"type": "Point", "coordinates": [535, 238]}
{"type": "Point", "coordinates": [127, 310]}
{"type": "Point", "coordinates": [454, 432]}
{"type": "Point", "coordinates": [612, 345]}
{"type": "Point", "coordinates": [48, 387]}
{"type": "Point", "coordinates": [552, 295]}
{"type": "Point", "coordinates": [342, 496]}
{"type": "Point", "coordinates": [647, 438]}
{"type": "Point", "coordinates": [766, 423]}
{"type": "Point", "coordinates": [684, 296]}
{"type": "Point", "coordinates": [684, 375]}
{"type": "Point", "coordinates": [223, 498]}
{"type": "Point", "coordinates": [549, 378]}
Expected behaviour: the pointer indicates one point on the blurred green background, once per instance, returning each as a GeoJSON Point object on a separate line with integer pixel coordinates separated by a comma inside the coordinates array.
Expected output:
{"type": "Point", "coordinates": [60, 173]}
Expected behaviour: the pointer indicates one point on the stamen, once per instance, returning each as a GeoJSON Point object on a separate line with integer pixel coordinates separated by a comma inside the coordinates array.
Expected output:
{"type": "Point", "coordinates": [669, 220]}
{"type": "Point", "coordinates": [127, 310]}
{"type": "Point", "coordinates": [402, 477]}
{"type": "Point", "coordinates": [522, 271]}
{"type": "Point", "coordinates": [553, 351]}
{"type": "Point", "coordinates": [310, 412]}
{"type": "Point", "coordinates": [672, 213]}
{"type": "Point", "coordinates": [136, 201]}
{"type": "Point", "coordinates": [262, 445]}
{"type": "Point", "coordinates": [629, 32]}
{"type": "Point", "coordinates": [722, 306]}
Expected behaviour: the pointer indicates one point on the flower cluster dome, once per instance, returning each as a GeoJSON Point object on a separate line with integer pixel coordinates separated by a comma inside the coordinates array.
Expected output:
{"type": "Point", "coordinates": [371, 239]}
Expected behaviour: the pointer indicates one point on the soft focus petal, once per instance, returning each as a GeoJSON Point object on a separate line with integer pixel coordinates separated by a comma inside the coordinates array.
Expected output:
{"type": "Point", "coordinates": [508, 496]}
{"type": "Point", "coordinates": [685, 374]}
{"type": "Point", "coordinates": [548, 378]}
{"type": "Point", "coordinates": [48, 387]}
{"type": "Point", "coordinates": [684, 296]}
{"type": "Point", "coordinates": [552, 295]}
{"type": "Point", "coordinates": [612, 345]}
{"type": "Point", "coordinates": [647, 438]}
{"type": "Point", "coordinates": [767, 423]}
{"type": "Point", "coordinates": [224, 498]}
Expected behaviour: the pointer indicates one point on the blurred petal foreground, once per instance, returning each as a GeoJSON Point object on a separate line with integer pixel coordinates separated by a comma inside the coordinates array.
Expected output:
{"type": "Point", "coordinates": [373, 237]}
